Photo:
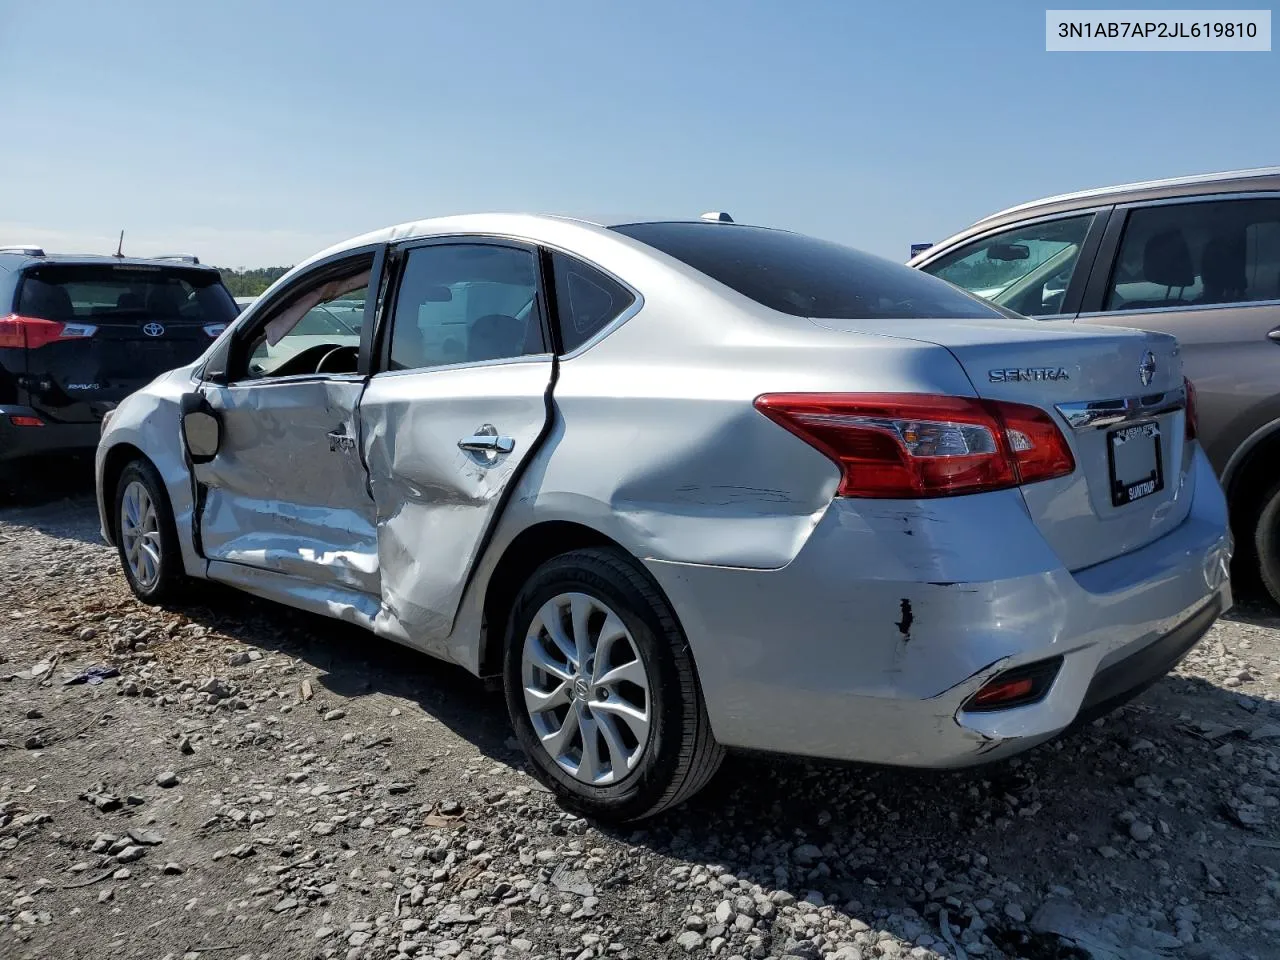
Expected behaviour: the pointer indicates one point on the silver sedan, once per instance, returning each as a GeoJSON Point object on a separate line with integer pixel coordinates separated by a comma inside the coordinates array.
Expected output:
{"type": "Point", "coordinates": [688, 486]}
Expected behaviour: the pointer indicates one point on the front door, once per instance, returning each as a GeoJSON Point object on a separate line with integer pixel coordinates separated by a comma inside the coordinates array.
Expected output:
{"type": "Point", "coordinates": [287, 491]}
{"type": "Point", "coordinates": [459, 404]}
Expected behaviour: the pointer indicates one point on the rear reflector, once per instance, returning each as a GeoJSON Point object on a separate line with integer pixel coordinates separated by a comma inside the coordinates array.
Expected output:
{"type": "Point", "coordinates": [21, 421]}
{"type": "Point", "coordinates": [924, 445]}
{"type": "Point", "coordinates": [1015, 688]}
{"type": "Point", "coordinates": [1192, 414]}
{"type": "Point", "coordinates": [33, 332]}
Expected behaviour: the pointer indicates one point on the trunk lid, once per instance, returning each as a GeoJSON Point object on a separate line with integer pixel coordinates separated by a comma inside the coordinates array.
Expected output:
{"type": "Point", "coordinates": [144, 319]}
{"type": "Point", "coordinates": [1127, 435]}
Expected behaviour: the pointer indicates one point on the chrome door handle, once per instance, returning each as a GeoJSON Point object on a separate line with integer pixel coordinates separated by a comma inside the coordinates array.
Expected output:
{"type": "Point", "coordinates": [486, 440]}
{"type": "Point", "coordinates": [1274, 335]}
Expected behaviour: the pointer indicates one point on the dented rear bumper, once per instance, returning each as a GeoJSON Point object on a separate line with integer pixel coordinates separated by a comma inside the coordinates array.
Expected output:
{"type": "Point", "coordinates": [869, 643]}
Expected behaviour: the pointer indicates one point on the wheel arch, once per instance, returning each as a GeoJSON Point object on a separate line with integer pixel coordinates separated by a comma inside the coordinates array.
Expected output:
{"type": "Point", "coordinates": [117, 458]}
{"type": "Point", "coordinates": [1245, 477]}
{"type": "Point", "coordinates": [528, 550]}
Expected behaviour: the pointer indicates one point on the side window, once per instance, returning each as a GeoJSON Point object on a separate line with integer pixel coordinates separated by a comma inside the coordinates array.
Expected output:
{"type": "Point", "coordinates": [462, 303]}
{"type": "Point", "coordinates": [1190, 254]}
{"type": "Point", "coordinates": [1025, 269]}
{"type": "Point", "coordinates": [316, 330]}
{"type": "Point", "coordinates": [586, 300]}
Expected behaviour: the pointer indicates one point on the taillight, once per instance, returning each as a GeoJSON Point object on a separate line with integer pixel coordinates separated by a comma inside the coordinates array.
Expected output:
{"type": "Point", "coordinates": [923, 445]}
{"type": "Point", "coordinates": [32, 332]}
{"type": "Point", "coordinates": [1192, 418]}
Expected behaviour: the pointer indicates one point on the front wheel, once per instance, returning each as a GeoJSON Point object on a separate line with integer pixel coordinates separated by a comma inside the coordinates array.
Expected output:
{"type": "Point", "coordinates": [602, 689]}
{"type": "Point", "coordinates": [146, 537]}
{"type": "Point", "coordinates": [1266, 542]}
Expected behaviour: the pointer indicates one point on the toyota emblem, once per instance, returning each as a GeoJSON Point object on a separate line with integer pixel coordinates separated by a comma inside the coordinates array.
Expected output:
{"type": "Point", "coordinates": [154, 329]}
{"type": "Point", "coordinates": [1147, 368]}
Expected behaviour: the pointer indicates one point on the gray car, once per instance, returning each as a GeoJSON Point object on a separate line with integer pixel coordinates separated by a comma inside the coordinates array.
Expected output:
{"type": "Point", "coordinates": [1198, 258]}
{"type": "Point", "coordinates": [687, 486]}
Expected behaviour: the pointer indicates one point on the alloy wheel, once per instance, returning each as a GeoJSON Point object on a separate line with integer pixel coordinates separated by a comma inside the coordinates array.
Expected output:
{"type": "Point", "coordinates": [586, 689]}
{"type": "Point", "coordinates": [140, 534]}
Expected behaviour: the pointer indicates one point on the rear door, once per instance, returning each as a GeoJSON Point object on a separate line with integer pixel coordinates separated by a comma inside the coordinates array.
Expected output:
{"type": "Point", "coordinates": [1207, 271]}
{"type": "Point", "coordinates": [458, 405]}
{"type": "Point", "coordinates": [287, 491]}
{"type": "Point", "coordinates": [111, 329]}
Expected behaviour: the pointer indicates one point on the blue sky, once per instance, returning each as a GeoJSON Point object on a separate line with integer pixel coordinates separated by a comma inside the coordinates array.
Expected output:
{"type": "Point", "coordinates": [254, 134]}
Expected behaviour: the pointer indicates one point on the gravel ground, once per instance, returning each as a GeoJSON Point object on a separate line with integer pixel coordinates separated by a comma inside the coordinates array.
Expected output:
{"type": "Point", "coordinates": [260, 783]}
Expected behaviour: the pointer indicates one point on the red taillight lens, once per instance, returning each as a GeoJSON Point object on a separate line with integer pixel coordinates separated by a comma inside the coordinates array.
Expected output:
{"type": "Point", "coordinates": [32, 332]}
{"type": "Point", "coordinates": [20, 421]}
{"type": "Point", "coordinates": [923, 445]}
{"type": "Point", "coordinates": [1192, 415]}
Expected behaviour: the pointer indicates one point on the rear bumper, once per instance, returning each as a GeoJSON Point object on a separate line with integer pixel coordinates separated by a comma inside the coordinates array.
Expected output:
{"type": "Point", "coordinates": [17, 442]}
{"type": "Point", "coordinates": [869, 643]}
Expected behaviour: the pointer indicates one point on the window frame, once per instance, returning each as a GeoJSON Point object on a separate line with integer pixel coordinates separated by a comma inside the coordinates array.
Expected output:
{"type": "Point", "coordinates": [246, 327]}
{"type": "Point", "coordinates": [1108, 259]}
{"type": "Point", "coordinates": [637, 301]}
{"type": "Point", "coordinates": [389, 297]}
{"type": "Point", "coordinates": [1086, 261]}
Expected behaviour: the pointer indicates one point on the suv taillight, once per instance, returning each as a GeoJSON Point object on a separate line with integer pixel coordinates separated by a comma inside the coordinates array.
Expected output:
{"type": "Point", "coordinates": [923, 445]}
{"type": "Point", "coordinates": [1192, 415]}
{"type": "Point", "coordinates": [32, 332]}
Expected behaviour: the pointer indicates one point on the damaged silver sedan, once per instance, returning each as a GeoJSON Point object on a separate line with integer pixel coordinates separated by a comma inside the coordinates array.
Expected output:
{"type": "Point", "coordinates": [689, 486]}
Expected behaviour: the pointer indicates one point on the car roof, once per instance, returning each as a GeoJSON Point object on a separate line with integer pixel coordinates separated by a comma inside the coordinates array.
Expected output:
{"type": "Point", "coordinates": [14, 260]}
{"type": "Point", "coordinates": [1230, 181]}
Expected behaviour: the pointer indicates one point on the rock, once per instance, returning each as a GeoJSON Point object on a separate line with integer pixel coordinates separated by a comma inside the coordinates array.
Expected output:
{"type": "Point", "coordinates": [336, 714]}
{"type": "Point", "coordinates": [695, 922]}
{"type": "Point", "coordinates": [131, 853]}
{"type": "Point", "coordinates": [172, 868]}
{"type": "Point", "coordinates": [1140, 831]}
{"type": "Point", "coordinates": [690, 940]}
{"type": "Point", "coordinates": [806, 854]}
{"type": "Point", "coordinates": [184, 746]}
{"type": "Point", "coordinates": [33, 743]}
{"type": "Point", "coordinates": [147, 838]}
{"type": "Point", "coordinates": [215, 687]}
{"type": "Point", "coordinates": [1015, 913]}
{"type": "Point", "coordinates": [238, 659]}
{"type": "Point", "coordinates": [167, 779]}
{"type": "Point", "coordinates": [450, 808]}
{"type": "Point", "coordinates": [724, 912]}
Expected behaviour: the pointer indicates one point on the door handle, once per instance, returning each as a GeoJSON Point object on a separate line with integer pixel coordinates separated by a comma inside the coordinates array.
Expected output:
{"type": "Point", "coordinates": [487, 442]}
{"type": "Point", "coordinates": [339, 440]}
{"type": "Point", "coordinates": [1274, 335]}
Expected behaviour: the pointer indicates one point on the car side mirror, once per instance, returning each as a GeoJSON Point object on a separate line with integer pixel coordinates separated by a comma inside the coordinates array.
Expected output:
{"type": "Point", "coordinates": [1008, 251]}
{"type": "Point", "coordinates": [201, 428]}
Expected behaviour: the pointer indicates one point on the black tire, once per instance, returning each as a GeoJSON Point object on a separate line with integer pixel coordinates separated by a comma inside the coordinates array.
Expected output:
{"type": "Point", "coordinates": [172, 581]}
{"type": "Point", "coordinates": [681, 755]}
{"type": "Point", "coordinates": [1266, 543]}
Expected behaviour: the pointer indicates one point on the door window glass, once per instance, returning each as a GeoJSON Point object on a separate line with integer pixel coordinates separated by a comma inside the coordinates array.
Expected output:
{"type": "Point", "coordinates": [586, 300]}
{"type": "Point", "coordinates": [463, 303]}
{"type": "Point", "coordinates": [1026, 269]}
{"type": "Point", "coordinates": [314, 331]}
{"type": "Point", "coordinates": [1190, 254]}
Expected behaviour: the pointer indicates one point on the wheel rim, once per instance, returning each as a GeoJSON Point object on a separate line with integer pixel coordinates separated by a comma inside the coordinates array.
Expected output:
{"type": "Point", "coordinates": [586, 689]}
{"type": "Point", "coordinates": [140, 534]}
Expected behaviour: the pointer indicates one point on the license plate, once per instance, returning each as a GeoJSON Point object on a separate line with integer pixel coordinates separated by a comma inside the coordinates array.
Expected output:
{"type": "Point", "coordinates": [1133, 454]}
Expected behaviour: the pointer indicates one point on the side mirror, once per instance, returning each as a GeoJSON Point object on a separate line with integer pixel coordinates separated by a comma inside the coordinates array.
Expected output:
{"type": "Point", "coordinates": [201, 428]}
{"type": "Point", "coordinates": [1008, 251]}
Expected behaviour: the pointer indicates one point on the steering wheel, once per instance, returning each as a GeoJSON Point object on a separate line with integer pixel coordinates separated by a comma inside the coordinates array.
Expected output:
{"type": "Point", "coordinates": [335, 352]}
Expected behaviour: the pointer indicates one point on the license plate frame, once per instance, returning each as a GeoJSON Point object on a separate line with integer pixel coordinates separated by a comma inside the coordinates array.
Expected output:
{"type": "Point", "coordinates": [1130, 489]}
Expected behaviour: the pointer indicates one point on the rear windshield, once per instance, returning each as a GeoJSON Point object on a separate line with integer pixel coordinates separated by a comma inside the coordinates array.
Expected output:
{"type": "Point", "coordinates": [807, 277]}
{"type": "Point", "coordinates": [73, 292]}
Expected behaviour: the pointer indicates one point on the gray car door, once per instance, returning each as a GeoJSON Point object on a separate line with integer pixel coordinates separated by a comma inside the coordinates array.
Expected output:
{"type": "Point", "coordinates": [287, 491]}
{"type": "Point", "coordinates": [1206, 270]}
{"type": "Point", "coordinates": [459, 404]}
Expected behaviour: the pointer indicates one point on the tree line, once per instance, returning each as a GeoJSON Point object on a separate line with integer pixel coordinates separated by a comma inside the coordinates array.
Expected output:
{"type": "Point", "coordinates": [250, 282]}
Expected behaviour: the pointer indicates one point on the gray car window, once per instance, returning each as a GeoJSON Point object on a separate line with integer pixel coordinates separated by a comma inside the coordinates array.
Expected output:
{"type": "Point", "coordinates": [807, 277]}
{"type": "Point", "coordinates": [1189, 254]}
{"type": "Point", "coordinates": [1026, 268]}
{"type": "Point", "coordinates": [462, 303]}
{"type": "Point", "coordinates": [586, 300]}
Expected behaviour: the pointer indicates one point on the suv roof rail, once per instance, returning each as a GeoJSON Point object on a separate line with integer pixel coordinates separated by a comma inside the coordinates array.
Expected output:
{"type": "Point", "coordinates": [184, 257]}
{"type": "Point", "coordinates": [25, 248]}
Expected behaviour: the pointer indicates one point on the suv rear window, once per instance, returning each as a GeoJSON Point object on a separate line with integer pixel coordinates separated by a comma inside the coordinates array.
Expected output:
{"type": "Point", "coordinates": [103, 292]}
{"type": "Point", "coordinates": [807, 277]}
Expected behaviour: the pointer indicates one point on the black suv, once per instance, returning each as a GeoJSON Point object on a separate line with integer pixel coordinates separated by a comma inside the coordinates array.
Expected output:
{"type": "Point", "coordinates": [80, 333]}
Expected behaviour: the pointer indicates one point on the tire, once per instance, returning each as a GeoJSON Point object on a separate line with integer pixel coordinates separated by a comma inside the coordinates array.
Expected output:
{"type": "Point", "coordinates": [678, 755]}
{"type": "Point", "coordinates": [1266, 543]}
{"type": "Point", "coordinates": [164, 580]}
